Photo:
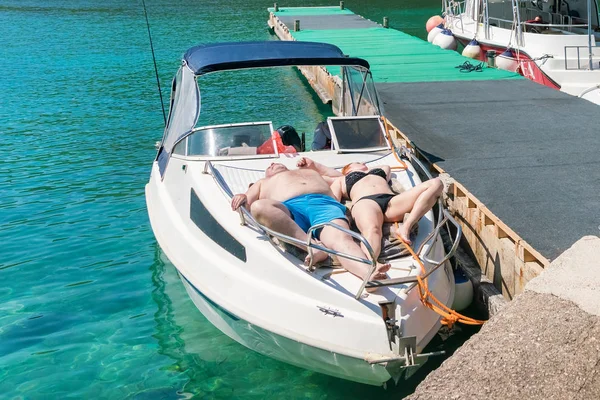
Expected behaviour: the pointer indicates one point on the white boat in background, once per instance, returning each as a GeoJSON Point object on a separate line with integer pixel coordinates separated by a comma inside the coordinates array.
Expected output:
{"type": "Point", "coordinates": [241, 277]}
{"type": "Point", "coordinates": [551, 42]}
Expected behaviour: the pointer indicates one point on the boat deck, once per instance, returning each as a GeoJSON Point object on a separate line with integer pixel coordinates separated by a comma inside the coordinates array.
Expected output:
{"type": "Point", "coordinates": [524, 157]}
{"type": "Point", "coordinates": [237, 178]}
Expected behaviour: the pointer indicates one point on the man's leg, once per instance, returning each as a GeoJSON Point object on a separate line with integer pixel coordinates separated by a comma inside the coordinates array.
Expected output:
{"type": "Point", "coordinates": [344, 243]}
{"type": "Point", "coordinates": [277, 217]}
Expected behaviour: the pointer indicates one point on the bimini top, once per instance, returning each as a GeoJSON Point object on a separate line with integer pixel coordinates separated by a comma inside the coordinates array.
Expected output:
{"type": "Point", "coordinates": [207, 58]}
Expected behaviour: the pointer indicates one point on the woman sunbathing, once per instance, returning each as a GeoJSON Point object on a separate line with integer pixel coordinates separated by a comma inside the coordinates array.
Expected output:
{"type": "Point", "coordinates": [373, 201]}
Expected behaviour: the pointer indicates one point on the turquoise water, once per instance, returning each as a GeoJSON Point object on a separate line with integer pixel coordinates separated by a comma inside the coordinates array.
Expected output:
{"type": "Point", "coordinates": [88, 308]}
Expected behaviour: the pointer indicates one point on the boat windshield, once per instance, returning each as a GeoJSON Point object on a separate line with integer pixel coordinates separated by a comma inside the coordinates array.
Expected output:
{"type": "Point", "coordinates": [360, 97]}
{"type": "Point", "coordinates": [357, 133]}
{"type": "Point", "coordinates": [245, 139]}
{"type": "Point", "coordinates": [345, 83]}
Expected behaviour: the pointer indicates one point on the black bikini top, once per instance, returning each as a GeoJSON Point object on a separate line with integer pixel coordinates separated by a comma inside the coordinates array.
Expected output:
{"type": "Point", "coordinates": [353, 177]}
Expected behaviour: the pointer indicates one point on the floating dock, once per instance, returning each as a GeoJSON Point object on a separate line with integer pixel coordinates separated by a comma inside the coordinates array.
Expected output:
{"type": "Point", "coordinates": [523, 159]}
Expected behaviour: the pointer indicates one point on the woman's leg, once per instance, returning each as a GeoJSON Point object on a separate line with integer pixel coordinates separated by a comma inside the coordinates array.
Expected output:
{"type": "Point", "coordinates": [344, 243]}
{"type": "Point", "coordinates": [415, 202]}
{"type": "Point", "coordinates": [369, 221]}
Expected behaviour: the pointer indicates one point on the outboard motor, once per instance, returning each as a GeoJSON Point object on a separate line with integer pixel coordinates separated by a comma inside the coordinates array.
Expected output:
{"type": "Point", "coordinates": [290, 137]}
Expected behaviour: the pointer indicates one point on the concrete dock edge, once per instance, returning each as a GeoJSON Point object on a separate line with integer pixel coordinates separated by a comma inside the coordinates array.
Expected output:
{"type": "Point", "coordinates": [544, 344]}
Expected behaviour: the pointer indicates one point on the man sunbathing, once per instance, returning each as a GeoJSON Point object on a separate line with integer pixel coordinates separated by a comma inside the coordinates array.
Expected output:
{"type": "Point", "coordinates": [291, 201]}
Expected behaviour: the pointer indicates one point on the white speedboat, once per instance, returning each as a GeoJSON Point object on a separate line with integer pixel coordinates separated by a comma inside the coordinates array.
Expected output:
{"type": "Point", "coordinates": [551, 42]}
{"type": "Point", "coordinates": [240, 275]}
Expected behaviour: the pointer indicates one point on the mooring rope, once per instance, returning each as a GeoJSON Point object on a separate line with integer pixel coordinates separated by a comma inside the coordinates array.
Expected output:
{"type": "Point", "coordinates": [449, 316]}
{"type": "Point", "coordinates": [468, 67]}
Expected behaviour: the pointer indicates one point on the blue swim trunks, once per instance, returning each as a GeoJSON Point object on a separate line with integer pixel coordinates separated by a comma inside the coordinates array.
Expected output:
{"type": "Point", "coordinates": [311, 209]}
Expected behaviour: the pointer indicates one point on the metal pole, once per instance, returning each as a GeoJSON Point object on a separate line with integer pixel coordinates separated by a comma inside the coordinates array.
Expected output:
{"type": "Point", "coordinates": [517, 20]}
{"type": "Point", "coordinates": [162, 104]}
{"type": "Point", "coordinates": [589, 12]}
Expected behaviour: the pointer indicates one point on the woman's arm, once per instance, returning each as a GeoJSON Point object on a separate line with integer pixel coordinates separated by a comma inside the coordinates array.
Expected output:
{"type": "Point", "coordinates": [324, 170]}
{"type": "Point", "coordinates": [336, 188]}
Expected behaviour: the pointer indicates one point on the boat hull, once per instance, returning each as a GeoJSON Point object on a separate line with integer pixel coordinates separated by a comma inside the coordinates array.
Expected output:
{"type": "Point", "coordinates": [527, 67]}
{"type": "Point", "coordinates": [281, 311]}
{"type": "Point", "coordinates": [556, 59]}
{"type": "Point", "coordinates": [284, 349]}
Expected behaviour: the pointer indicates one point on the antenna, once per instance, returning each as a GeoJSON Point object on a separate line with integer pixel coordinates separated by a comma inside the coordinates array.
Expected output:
{"type": "Point", "coordinates": [155, 68]}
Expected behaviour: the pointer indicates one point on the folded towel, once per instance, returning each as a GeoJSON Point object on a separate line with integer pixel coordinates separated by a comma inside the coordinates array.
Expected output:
{"type": "Point", "coordinates": [391, 247]}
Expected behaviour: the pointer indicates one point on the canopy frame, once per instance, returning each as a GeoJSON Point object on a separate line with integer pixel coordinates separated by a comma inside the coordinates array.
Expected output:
{"type": "Point", "coordinates": [204, 59]}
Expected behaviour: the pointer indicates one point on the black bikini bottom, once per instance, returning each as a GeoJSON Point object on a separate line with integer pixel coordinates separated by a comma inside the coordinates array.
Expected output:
{"type": "Point", "coordinates": [382, 199]}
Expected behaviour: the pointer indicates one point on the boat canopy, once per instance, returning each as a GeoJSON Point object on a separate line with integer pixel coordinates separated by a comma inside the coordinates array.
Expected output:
{"type": "Point", "coordinates": [203, 59]}
{"type": "Point", "coordinates": [207, 58]}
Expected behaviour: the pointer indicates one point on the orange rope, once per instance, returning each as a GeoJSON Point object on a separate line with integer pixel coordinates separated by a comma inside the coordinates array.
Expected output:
{"type": "Point", "coordinates": [449, 316]}
{"type": "Point", "coordinates": [402, 166]}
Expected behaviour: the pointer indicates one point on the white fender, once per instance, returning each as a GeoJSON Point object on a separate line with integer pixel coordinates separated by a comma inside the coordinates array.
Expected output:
{"type": "Point", "coordinates": [434, 32]}
{"type": "Point", "coordinates": [472, 50]}
{"type": "Point", "coordinates": [445, 40]}
{"type": "Point", "coordinates": [463, 293]}
{"type": "Point", "coordinates": [507, 61]}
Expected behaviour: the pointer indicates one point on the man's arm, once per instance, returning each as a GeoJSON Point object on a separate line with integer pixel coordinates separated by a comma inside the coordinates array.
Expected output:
{"type": "Point", "coordinates": [306, 162]}
{"type": "Point", "coordinates": [251, 195]}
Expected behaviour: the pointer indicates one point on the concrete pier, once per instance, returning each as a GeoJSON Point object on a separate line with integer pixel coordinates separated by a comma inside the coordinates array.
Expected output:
{"type": "Point", "coordinates": [545, 344]}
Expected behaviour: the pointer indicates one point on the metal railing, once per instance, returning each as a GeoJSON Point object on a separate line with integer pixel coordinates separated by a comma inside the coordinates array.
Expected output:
{"type": "Point", "coordinates": [589, 66]}
{"type": "Point", "coordinates": [355, 235]}
{"type": "Point", "coordinates": [456, 9]}
{"type": "Point", "coordinates": [447, 218]}
{"type": "Point", "coordinates": [444, 218]}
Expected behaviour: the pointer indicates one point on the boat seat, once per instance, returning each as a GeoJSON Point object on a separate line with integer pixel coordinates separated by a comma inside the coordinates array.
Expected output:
{"type": "Point", "coordinates": [238, 179]}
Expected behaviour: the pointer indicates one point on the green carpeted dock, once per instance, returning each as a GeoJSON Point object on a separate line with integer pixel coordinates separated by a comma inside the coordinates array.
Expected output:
{"type": "Point", "coordinates": [394, 56]}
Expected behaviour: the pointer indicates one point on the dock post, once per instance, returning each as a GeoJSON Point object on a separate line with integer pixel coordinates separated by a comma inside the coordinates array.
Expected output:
{"type": "Point", "coordinates": [341, 5]}
{"type": "Point", "coordinates": [386, 22]}
{"type": "Point", "coordinates": [276, 7]}
{"type": "Point", "coordinates": [296, 25]}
